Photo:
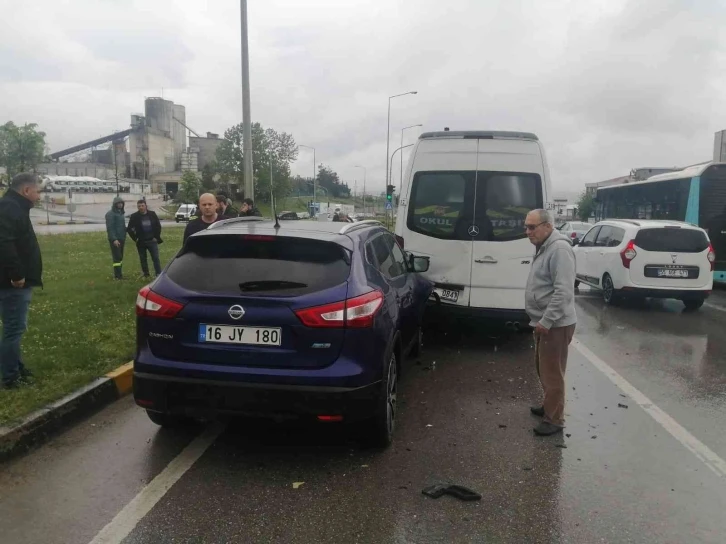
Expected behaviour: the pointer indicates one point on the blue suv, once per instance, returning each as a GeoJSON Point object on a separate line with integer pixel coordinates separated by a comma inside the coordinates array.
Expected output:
{"type": "Point", "coordinates": [305, 319]}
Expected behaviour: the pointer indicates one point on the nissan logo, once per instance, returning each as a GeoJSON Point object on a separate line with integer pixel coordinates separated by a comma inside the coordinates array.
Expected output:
{"type": "Point", "coordinates": [473, 230]}
{"type": "Point", "coordinates": [236, 312]}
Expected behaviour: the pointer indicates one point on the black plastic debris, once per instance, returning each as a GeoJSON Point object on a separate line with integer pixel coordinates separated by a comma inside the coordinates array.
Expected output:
{"type": "Point", "coordinates": [502, 426]}
{"type": "Point", "coordinates": [622, 406]}
{"type": "Point", "coordinates": [459, 491]}
{"type": "Point", "coordinates": [568, 435]}
{"type": "Point", "coordinates": [563, 446]}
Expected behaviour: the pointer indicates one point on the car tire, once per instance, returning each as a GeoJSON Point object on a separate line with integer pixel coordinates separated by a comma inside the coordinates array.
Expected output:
{"type": "Point", "coordinates": [167, 421]}
{"type": "Point", "coordinates": [379, 429]}
{"type": "Point", "coordinates": [177, 219]}
{"type": "Point", "coordinates": [609, 293]}
{"type": "Point", "coordinates": [693, 304]}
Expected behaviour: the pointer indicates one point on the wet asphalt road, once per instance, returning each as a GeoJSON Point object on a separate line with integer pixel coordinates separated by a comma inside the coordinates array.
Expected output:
{"type": "Point", "coordinates": [623, 476]}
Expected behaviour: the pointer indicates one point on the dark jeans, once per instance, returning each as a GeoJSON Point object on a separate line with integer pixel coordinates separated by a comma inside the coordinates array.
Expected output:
{"type": "Point", "coordinates": [14, 304]}
{"type": "Point", "coordinates": [153, 249]}
{"type": "Point", "coordinates": [117, 254]}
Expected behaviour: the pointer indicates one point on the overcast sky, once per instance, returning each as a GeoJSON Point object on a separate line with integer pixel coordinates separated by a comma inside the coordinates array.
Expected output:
{"type": "Point", "coordinates": [607, 85]}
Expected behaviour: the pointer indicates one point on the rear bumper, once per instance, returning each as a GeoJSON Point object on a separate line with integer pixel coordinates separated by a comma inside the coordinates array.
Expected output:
{"type": "Point", "coordinates": [442, 309]}
{"type": "Point", "coordinates": [209, 398]}
{"type": "Point", "coordinates": [681, 294]}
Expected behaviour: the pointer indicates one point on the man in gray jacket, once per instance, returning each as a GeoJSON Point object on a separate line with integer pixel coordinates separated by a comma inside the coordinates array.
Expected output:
{"type": "Point", "coordinates": [550, 305]}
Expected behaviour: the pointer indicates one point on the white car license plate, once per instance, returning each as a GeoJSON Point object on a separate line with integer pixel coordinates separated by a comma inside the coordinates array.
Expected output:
{"type": "Point", "coordinates": [670, 273]}
{"type": "Point", "coordinates": [229, 334]}
{"type": "Point", "coordinates": [447, 294]}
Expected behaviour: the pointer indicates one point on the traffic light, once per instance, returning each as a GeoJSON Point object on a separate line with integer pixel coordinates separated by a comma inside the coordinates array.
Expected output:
{"type": "Point", "coordinates": [389, 192]}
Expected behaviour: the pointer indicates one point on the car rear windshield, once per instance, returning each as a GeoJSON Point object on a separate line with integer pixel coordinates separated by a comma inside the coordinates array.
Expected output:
{"type": "Point", "coordinates": [276, 266]}
{"type": "Point", "coordinates": [673, 240]}
{"type": "Point", "coordinates": [480, 206]}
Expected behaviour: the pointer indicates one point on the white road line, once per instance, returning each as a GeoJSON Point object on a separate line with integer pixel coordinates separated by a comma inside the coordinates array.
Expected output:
{"type": "Point", "coordinates": [127, 519]}
{"type": "Point", "coordinates": [714, 307]}
{"type": "Point", "coordinates": [676, 430]}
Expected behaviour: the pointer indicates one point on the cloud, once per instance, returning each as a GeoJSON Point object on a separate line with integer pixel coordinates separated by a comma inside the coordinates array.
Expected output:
{"type": "Point", "coordinates": [607, 85]}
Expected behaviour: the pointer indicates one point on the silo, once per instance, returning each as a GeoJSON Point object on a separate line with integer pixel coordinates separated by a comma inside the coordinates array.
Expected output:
{"type": "Point", "coordinates": [179, 134]}
{"type": "Point", "coordinates": [159, 114]}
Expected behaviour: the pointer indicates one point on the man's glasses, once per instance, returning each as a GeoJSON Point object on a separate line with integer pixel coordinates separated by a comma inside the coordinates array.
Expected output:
{"type": "Point", "coordinates": [532, 227]}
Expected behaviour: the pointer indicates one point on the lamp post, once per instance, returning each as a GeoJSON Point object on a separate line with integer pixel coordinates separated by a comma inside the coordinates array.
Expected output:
{"type": "Point", "coordinates": [388, 130]}
{"type": "Point", "coordinates": [246, 110]}
{"type": "Point", "coordinates": [394, 154]}
{"type": "Point", "coordinates": [364, 185]}
{"type": "Point", "coordinates": [401, 178]}
{"type": "Point", "coordinates": [314, 173]}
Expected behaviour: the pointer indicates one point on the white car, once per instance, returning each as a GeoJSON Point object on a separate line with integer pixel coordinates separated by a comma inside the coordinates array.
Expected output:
{"type": "Point", "coordinates": [574, 230]}
{"type": "Point", "coordinates": [185, 212]}
{"type": "Point", "coordinates": [647, 258]}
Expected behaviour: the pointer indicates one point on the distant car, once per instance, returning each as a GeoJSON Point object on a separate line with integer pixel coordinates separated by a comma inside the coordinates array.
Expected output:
{"type": "Point", "coordinates": [647, 258]}
{"type": "Point", "coordinates": [575, 230]}
{"type": "Point", "coordinates": [287, 216]}
{"type": "Point", "coordinates": [185, 212]}
{"type": "Point", "coordinates": [309, 319]}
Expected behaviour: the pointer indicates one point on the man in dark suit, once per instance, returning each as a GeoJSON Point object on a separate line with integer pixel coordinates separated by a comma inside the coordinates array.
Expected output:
{"type": "Point", "coordinates": [145, 229]}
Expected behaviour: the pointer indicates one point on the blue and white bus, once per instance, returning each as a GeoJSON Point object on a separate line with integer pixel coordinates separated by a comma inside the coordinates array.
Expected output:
{"type": "Point", "coordinates": [696, 195]}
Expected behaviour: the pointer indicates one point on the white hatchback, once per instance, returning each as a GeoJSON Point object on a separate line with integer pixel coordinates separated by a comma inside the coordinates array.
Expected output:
{"type": "Point", "coordinates": [647, 258]}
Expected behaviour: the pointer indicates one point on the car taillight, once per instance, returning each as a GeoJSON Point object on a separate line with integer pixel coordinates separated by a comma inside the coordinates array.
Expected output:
{"type": "Point", "coordinates": [573, 235]}
{"type": "Point", "coordinates": [399, 239]}
{"type": "Point", "coordinates": [150, 304]}
{"type": "Point", "coordinates": [628, 254]}
{"type": "Point", "coordinates": [354, 313]}
{"type": "Point", "coordinates": [711, 257]}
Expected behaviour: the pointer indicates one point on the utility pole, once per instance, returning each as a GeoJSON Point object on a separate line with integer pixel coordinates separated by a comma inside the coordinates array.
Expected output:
{"type": "Point", "coordinates": [246, 108]}
{"type": "Point", "coordinates": [115, 165]}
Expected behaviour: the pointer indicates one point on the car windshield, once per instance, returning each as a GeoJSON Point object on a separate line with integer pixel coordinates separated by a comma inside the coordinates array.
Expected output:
{"type": "Point", "coordinates": [279, 266]}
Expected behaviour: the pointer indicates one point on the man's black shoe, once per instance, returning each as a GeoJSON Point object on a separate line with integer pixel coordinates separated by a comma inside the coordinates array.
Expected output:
{"type": "Point", "coordinates": [537, 410]}
{"type": "Point", "coordinates": [25, 373]}
{"type": "Point", "coordinates": [547, 429]}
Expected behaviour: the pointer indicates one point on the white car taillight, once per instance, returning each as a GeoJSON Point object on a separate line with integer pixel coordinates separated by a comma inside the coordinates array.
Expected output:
{"type": "Point", "coordinates": [711, 257]}
{"type": "Point", "coordinates": [628, 254]}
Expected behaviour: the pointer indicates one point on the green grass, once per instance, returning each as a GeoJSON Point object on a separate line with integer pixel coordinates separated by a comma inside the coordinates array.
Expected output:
{"type": "Point", "coordinates": [81, 325]}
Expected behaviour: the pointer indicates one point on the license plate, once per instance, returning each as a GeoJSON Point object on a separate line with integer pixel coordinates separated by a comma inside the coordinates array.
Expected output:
{"type": "Point", "coordinates": [229, 334]}
{"type": "Point", "coordinates": [447, 294]}
{"type": "Point", "coordinates": [669, 273]}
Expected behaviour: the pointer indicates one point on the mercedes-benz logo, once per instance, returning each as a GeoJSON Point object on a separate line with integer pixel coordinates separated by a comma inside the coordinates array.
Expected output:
{"type": "Point", "coordinates": [236, 312]}
{"type": "Point", "coordinates": [473, 230]}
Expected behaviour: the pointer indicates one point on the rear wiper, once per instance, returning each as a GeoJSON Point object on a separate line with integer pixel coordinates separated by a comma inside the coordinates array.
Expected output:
{"type": "Point", "coordinates": [269, 285]}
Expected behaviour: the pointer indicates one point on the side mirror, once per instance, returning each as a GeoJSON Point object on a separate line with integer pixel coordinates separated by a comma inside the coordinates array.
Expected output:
{"type": "Point", "coordinates": [420, 264]}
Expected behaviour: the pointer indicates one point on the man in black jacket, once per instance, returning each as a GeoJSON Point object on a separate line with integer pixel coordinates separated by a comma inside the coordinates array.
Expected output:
{"type": "Point", "coordinates": [145, 229]}
{"type": "Point", "coordinates": [248, 209]}
{"type": "Point", "coordinates": [21, 269]}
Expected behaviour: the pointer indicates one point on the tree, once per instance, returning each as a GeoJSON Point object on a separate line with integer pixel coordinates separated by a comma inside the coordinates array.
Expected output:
{"type": "Point", "coordinates": [269, 148]}
{"type": "Point", "coordinates": [585, 206]}
{"type": "Point", "coordinates": [190, 187]}
{"type": "Point", "coordinates": [329, 179]}
{"type": "Point", "coordinates": [209, 175]}
{"type": "Point", "coordinates": [21, 148]}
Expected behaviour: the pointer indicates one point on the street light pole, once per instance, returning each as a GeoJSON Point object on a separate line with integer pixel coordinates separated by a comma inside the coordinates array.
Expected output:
{"type": "Point", "coordinates": [315, 176]}
{"type": "Point", "coordinates": [400, 181]}
{"type": "Point", "coordinates": [365, 171]}
{"type": "Point", "coordinates": [394, 154]}
{"type": "Point", "coordinates": [246, 109]}
{"type": "Point", "coordinates": [388, 130]}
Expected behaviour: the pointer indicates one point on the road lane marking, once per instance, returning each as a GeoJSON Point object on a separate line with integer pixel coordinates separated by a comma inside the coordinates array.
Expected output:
{"type": "Point", "coordinates": [128, 518]}
{"type": "Point", "coordinates": [714, 307]}
{"type": "Point", "coordinates": [675, 429]}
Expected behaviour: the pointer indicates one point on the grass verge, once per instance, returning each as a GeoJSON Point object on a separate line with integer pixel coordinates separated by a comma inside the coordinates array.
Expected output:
{"type": "Point", "coordinates": [82, 324]}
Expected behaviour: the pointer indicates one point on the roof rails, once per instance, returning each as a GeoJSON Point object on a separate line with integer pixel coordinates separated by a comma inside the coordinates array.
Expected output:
{"type": "Point", "coordinates": [479, 134]}
{"type": "Point", "coordinates": [359, 225]}
{"type": "Point", "coordinates": [234, 220]}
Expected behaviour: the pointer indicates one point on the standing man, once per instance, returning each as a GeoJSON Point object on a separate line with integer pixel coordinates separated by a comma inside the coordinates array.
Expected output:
{"type": "Point", "coordinates": [208, 215]}
{"type": "Point", "coordinates": [248, 209]}
{"type": "Point", "coordinates": [145, 229]}
{"type": "Point", "coordinates": [550, 304]}
{"type": "Point", "coordinates": [223, 209]}
{"type": "Point", "coordinates": [116, 231]}
{"type": "Point", "coordinates": [21, 269]}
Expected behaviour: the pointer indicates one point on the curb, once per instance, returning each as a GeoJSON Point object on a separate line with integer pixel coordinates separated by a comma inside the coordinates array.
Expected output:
{"type": "Point", "coordinates": [45, 223]}
{"type": "Point", "coordinates": [43, 424]}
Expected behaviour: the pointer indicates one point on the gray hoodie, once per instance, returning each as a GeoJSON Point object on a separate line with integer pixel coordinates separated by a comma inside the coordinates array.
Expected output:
{"type": "Point", "coordinates": [550, 295]}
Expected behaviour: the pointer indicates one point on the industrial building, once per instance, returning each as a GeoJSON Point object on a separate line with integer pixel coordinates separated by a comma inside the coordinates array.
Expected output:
{"type": "Point", "coordinates": [156, 149]}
